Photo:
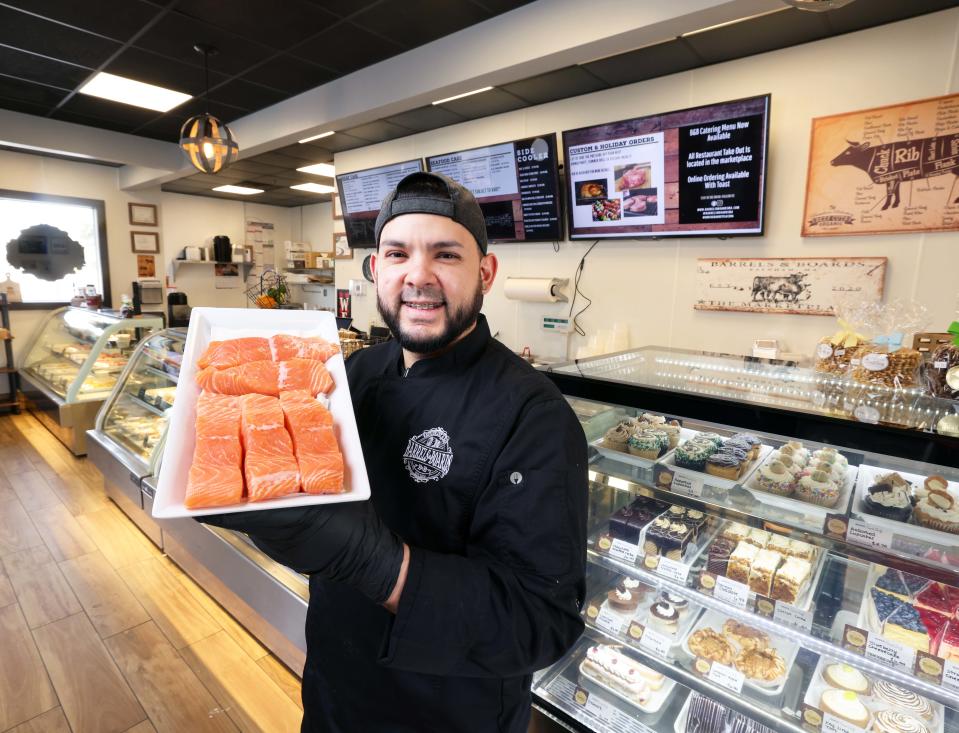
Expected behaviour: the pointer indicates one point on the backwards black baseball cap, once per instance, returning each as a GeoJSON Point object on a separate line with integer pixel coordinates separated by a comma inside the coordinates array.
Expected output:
{"type": "Point", "coordinates": [434, 193]}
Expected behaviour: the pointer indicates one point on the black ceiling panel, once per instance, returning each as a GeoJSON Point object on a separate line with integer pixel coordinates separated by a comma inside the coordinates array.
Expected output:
{"type": "Point", "coordinates": [18, 104]}
{"type": "Point", "coordinates": [80, 119]}
{"type": "Point", "coordinates": [278, 160]}
{"type": "Point", "coordinates": [30, 33]}
{"type": "Point", "coordinates": [123, 114]}
{"type": "Point", "coordinates": [379, 131]}
{"type": "Point", "coordinates": [429, 117]}
{"type": "Point", "coordinates": [404, 21]}
{"type": "Point", "coordinates": [41, 69]}
{"type": "Point", "coordinates": [344, 8]}
{"type": "Point", "coordinates": [290, 74]}
{"type": "Point", "coordinates": [569, 82]}
{"type": "Point", "coordinates": [784, 28]}
{"type": "Point", "coordinates": [645, 63]}
{"type": "Point", "coordinates": [340, 141]}
{"type": "Point", "coordinates": [251, 167]}
{"type": "Point", "coordinates": [175, 35]}
{"type": "Point", "coordinates": [166, 128]}
{"type": "Point", "coordinates": [97, 16]}
{"type": "Point", "coordinates": [501, 6]}
{"type": "Point", "coordinates": [861, 14]}
{"type": "Point", "coordinates": [135, 63]}
{"type": "Point", "coordinates": [309, 152]}
{"type": "Point", "coordinates": [262, 21]}
{"type": "Point", "coordinates": [347, 47]}
{"type": "Point", "coordinates": [34, 94]}
{"type": "Point", "coordinates": [242, 94]}
{"type": "Point", "coordinates": [487, 103]}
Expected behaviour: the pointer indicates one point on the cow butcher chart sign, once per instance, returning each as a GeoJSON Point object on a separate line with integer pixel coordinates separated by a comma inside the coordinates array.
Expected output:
{"type": "Point", "coordinates": [888, 169]}
{"type": "Point", "coordinates": [801, 285]}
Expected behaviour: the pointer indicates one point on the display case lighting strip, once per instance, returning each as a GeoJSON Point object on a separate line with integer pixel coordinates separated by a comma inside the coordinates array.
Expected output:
{"type": "Point", "coordinates": [769, 626]}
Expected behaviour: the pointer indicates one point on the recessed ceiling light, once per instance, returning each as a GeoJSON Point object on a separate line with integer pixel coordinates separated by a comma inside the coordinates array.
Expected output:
{"type": "Point", "coordinates": [131, 91]}
{"type": "Point", "coordinates": [732, 22]}
{"type": "Point", "coordinates": [245, 190]}
{"type": "Point", "coordinates": [313, 188]}
{"type": "Point", "coordinates": [460, 96]}
{"type": "Point", "coordinates": [319, 169]}
{"type": "Point", "coordinates": [36, 149]}
{"type": "Point", "coordinates": [317, 137]}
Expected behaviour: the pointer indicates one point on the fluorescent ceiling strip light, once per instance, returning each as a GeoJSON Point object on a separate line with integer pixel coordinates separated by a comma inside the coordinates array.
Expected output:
{"type": "Point", "coordinates": [319, 169]}
{"type": "Point", "coordinates": [36, 149]}
{"type": "Point", "coordinates": [460, 96]}
{"type": "Point", "coordinates": [244, 190]}
{"type": "Point", "coordinates": [313, 188]}
{"type": "Point", "coordinates": [733, 22]}
{"type": "Point", "coordinates": [133, 92]}
{"type": "Point", "coordinates": [317, 137]}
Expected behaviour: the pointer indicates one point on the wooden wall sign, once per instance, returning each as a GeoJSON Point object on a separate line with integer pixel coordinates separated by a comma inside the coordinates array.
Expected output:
{"type": "Point", "coordinates": [806, 286]}
{"type": "Point", "coordinates": [888, 169]}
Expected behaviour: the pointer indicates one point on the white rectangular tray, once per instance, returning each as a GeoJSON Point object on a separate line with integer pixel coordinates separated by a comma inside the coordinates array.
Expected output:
{"type": "Point", "coordinates": [213, 324]}
{"type": "Point", "coordinates": [653, 705]}
{"type": "Point", "coordinates": [684, 435]}
{"type": "Point", "coordinates": [787, 650]}
{"type": "Point", "coordinates": [867, 476]}
{"type": "Point", "coordinates": [641, 615]}
{"type": "Point", "coordinates": [798, 505]}
{"type": "Point", "coordinates": [718, 481]}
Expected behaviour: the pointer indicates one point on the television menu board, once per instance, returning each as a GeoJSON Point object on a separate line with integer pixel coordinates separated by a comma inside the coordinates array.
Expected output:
{"type": "Point", "coordinates": [694, 172]}
{"type": "Point", "coordinates": [516, 185]}
{"type": "Point", "coordinates": [361, 194]}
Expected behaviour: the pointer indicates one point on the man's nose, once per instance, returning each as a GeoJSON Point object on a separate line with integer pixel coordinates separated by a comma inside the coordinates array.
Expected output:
{"type": "Point", "coordinates": [419, 271]}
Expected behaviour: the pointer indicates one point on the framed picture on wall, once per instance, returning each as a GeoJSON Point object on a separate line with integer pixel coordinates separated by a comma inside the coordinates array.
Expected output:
{"type": "Point", "coordinates": [143, 214]}
{"type": "Point", "coordinates": [145, 242]}
{"type": "Point", "coordinates": [337, 206]}
{"type": "Point", "coordinates": [341, 248]}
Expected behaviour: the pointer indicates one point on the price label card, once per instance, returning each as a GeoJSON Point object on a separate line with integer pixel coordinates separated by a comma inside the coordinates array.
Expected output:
{"type": "Point", "coordinates": [655, 642]}
{"type": "Point", "coordinates": [832, 724]}
{"type": "Point", "coordinates": [882, 650]}
{"type": "Point", "coordinates": [687, 485]}
{"type": "Point", "coordinates": [862, 534]}
{"type": "Point", "coordinates": [728, 677]}
{"type": "Point", "coordinates": [732, 592]}
{"type": "Point", "coordinates": [672, 569]}
{"type": "Point", "coordinates": [610, 622]}
{"type": "Point", "coordinates": [950, 675]}
{"type": "Point", "coordinates": [795, 618]}
{"type": "Point", "coordinates": [624, 551]}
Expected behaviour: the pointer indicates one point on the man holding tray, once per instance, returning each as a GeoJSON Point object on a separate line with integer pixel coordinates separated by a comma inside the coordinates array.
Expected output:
{"type": "Point", "coordinates": [432, 604]}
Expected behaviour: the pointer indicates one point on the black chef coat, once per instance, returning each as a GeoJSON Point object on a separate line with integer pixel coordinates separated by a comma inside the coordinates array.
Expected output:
{"type": "Point", "coordinates": [478, 463]}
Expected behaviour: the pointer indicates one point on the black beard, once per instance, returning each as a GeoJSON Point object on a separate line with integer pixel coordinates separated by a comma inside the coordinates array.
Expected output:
{"type": "Point", "coordinates": [457, 321]}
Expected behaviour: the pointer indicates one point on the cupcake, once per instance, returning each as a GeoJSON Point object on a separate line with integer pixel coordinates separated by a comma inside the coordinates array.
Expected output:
{"type": "Point", "coordinates": [662, 436]}
{"type": "Point", "coordinates": [692, 454]}
{"type": "Point", "coordinates": [672, 432]}
{"type": "Point", "coordinates": [938, 510]}
{"type": "Point", "coordinates": [616, 438]}
{"type": "Point", "coordinates": [653, 419]}
{"type": "Point", "coordinates": [794, 450]}
{"type": "Point", "coordinates": [817, 488]}
{"type": "Point", "coordinates": [774, 478]}
{"type": "Point", "coordinates": [830, 456]}
{"type": "Point", "coordinates": [834, 470]}
{"type": "Point", "coordinates": [889, 501]}
{"type": "Point", "coordinates": [936, 483]}
{"type": "Point", "coordinates": [644, 445]}
{"type": "Point", "coordinates": [716, 440]}
{"type": "Point", "coordinates": [789, 463]}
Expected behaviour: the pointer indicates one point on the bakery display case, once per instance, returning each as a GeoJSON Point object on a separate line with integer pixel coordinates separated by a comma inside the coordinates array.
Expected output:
{"type": "Point", "coordinates": [73, 362]}
{"type": "Point", "coordinates": [760, 556]}
{"type": "Point", "coordinates": [126, 442]}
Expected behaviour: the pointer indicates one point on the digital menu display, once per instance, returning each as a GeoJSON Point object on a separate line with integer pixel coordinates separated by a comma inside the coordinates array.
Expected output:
{"type": "Point", "coordinates": [516, 185]}
{"type": "Point", "coordinates": [693, 172]}
{"type": "Point", "coordinates": [361, 194]}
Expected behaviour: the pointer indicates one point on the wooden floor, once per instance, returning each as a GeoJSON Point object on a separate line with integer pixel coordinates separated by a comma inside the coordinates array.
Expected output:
{"type": "Point", "coordinates": [99, 631]}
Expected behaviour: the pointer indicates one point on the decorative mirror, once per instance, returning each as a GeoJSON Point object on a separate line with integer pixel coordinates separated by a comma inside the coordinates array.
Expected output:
{"type": "Point", "coordinates": [45, 252]}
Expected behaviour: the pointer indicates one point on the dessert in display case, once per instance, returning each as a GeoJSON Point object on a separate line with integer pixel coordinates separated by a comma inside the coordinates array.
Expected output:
{"type": "Point", "coordinates": [131, 425]}
{"type": "Point", "coordinates": [762, 554]}
{"type": "Point", "coordinates": [72, 364]}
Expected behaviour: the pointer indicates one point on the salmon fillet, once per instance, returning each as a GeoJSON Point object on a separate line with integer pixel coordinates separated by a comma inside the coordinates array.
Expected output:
{"type": "Point", "coordinates": [285, 347]}
{"type": "Point", "coordinates": [317, 453]}
{"type": "Point", "coordinates": [225, 354]}
{"type": "Point", "coordinates": [216, 474]}
{"type": "Point", "coordinates": [306, 374]}
{"type": "Point", "coordinates": [267, 378]}
{"type": "Point", "coordinates": [269, 466]}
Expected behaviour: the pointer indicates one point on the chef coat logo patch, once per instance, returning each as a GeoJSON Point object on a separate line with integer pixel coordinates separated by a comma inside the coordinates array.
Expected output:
{"type": "Point", "coordinates": [428, 455]}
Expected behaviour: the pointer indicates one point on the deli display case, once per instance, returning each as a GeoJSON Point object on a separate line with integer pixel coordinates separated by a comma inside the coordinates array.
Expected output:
{"type": "Point", "coordinates": [763, 553]}
{"type": "Point", "coordinates": [73, 362]}
{"type": "Point", "coordinates": [126, 445]}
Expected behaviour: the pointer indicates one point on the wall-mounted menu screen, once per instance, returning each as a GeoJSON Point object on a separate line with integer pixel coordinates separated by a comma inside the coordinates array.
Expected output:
{"type": "Point", "coordinates": [361, 194]}
{"type": "Point", "coordinates": [694, 172]}
{"type": "Point", "coordinates": [516, 185]}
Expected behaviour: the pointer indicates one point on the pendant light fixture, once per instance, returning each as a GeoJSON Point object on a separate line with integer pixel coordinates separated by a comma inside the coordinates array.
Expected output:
{"type": "Point", "coordinates": [207, 142]}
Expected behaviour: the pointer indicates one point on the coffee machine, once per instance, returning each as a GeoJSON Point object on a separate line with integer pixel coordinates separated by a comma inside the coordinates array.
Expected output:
{"type": "Point", "coordinates": [178, 312]}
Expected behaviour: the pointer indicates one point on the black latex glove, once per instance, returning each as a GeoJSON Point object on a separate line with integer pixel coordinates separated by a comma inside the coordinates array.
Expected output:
{"type": "Point", "coordinates": [344, 542]}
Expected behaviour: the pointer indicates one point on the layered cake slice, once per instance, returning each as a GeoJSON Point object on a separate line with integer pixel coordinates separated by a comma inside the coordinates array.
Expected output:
{"type": "Point", "coordinates": [891, 582]}
{"type": "Point", "coordinates": [763, 570]}
{"type": "Point", "coordinates": [791, 579]}
{"type": "Point", "coordinates": [949, 643]}
{"type": "Point", "coordinates": [882, 607]}
{"type": "Point", "coordinates": [935, 598]}
{"type": "Point", "coordinates": [919, 629]}
{"type": "Point", "coordinates": [741, 561]}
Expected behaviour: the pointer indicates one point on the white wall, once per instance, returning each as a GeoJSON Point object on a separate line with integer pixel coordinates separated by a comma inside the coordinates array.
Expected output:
{"type": "Point", "coordinates": [183, 220]}
{"type": "Point", "coordinates": [651, 285]}
{"type": "Point", "coordinates": [314, 226]}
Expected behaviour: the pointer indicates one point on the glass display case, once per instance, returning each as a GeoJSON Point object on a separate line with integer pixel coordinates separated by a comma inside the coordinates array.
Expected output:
{"type": "Point", "coordinates": [127, 440]}
{"type": "Point", "coordinates": [760, 556]}
{"type": "Point", "coordinates": [72, 363]}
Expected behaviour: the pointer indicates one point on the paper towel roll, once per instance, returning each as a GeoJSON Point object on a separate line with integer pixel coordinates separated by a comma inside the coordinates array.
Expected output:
{"type": "Point", "coordinates": [535, 289]}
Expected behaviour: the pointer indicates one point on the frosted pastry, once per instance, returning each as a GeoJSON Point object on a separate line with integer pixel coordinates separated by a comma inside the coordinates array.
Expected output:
{"type": "Point", "coordinates": [758, 537]}
{"type": "Point", "coordinates": [893, 721]}
{"type": "Point", "coordinates": [774, 478]}
{"type": "Point", "coordinates": [938, 510]}
{"type": "Point", "coordinates": [763, 570]}
{"type": "Point", "coordinates": [791, 580]}
{"type": "Point", "coordinates": [844, 677]}
{"type": "Point", "coordinates": [709, 644]}
{"type": "Point", "coordinates": [735, 531]}
{"type": "Point", "coordinates": [764, 665]}
{"type": "Point", "coordinates": [614, 669]}
{"type": "Point", "coordinates": [664, 617]}
{"type": "Point", "coordinates": [616, 437]}
{"type": "Point", "coordinates": [740, 562]}
{"type": "Point", "coordinates": [818, 488]}
{"type": "Point", "coordinates": [846, 705]}
{"type": "Point", "coordinates": [902, 698]}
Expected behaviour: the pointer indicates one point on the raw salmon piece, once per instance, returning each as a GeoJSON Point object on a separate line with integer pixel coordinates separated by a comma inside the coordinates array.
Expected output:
{"type": "Point", "coordinates": [260, 377]}
{"type": "Point", "coordinates": [317, 454]}
{"type": "Point", "coordinates": [216, 475]}
{"type": "Point", "coordinates": [285, 347]}
{"type": "Point", "coordinates": [225, 354]}
{"type": "Point", "coordinates": [269, 466]}
{"type": "Point", "coordinates": [307, 374]}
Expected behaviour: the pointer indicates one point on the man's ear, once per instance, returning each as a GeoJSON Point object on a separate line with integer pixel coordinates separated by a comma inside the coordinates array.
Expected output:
{"type": "Point", "coordinates": [488, 267]}
{"type": "Point", "coordinates": [373, 266]}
